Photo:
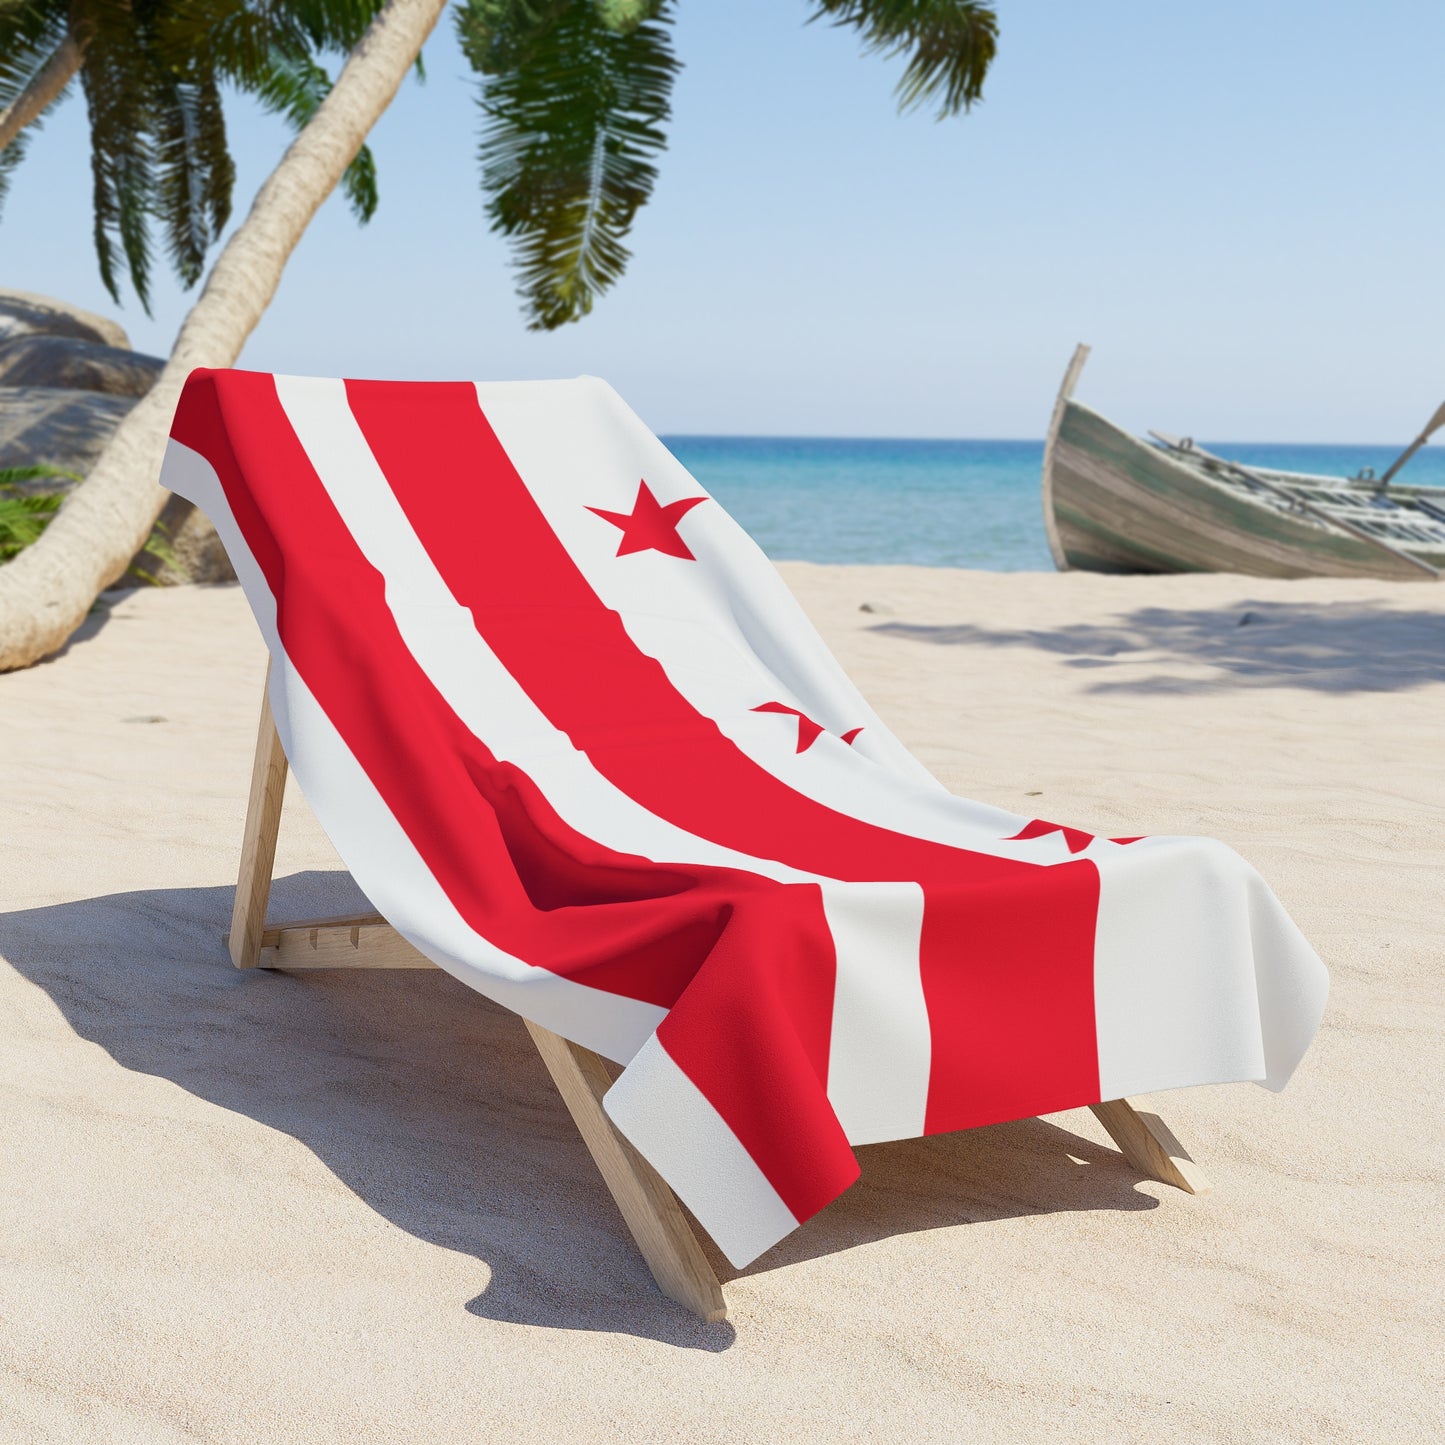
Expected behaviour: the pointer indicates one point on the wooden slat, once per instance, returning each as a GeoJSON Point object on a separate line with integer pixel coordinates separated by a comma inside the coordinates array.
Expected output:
{"type": "Point", "coordinates": [258, 847]}
{"type": "Point", "coordinates": [648, 1206]}
{"type": "Point", "coordinates": [361, 942]}
{"type": "Point", "coordinates": [1283, 493]}
{"type": "Point", "coordinates": [271, 936]}
{"type": "Point", "coordinates": [1330, 517]}
{"type": "Point", "coordinates": [1148, 1143]}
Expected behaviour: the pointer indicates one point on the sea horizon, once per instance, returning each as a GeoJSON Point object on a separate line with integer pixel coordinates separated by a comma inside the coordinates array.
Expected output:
{"type": "Point", "coordinates": [971, 502]}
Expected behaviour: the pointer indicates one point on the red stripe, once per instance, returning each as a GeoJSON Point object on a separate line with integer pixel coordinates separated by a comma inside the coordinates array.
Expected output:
{"type": "Point", "coordinates": [512, 868]}
{"type": "Point", "coordinates": [1007, 947]}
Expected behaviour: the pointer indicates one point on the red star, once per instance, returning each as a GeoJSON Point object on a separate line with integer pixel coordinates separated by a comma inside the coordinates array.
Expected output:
{"type": "Point", "coordinates": [651, 527]}
{"type": "Point", "coordinates": [808, 731]}
{"type": "Point", "coordinates": [1076, 838]}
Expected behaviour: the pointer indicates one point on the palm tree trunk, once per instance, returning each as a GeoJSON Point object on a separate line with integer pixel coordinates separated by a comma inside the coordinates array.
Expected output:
{"type": "Point", "coordinates": [45, 85]}
{"type": "Point", "coordinates": [47, 590]}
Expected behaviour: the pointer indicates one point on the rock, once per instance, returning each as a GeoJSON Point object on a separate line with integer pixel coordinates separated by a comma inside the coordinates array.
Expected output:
{"type": "Point", "coordinates": [58, 426]}
{"type": "Point", "coordinates": [196, 551]}
{"type": "Point", "coordinates": [67, 361]}
{"type": "Point", "coordinates": [881, 608]}
{"type": "Point", "coordinates": [22, 313]}
{"type": "Point", "coordinates": [67, 377]}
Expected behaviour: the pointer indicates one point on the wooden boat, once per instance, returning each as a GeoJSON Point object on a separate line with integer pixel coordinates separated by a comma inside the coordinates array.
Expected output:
{"type": "Point", "coordinates": [1116, 503]}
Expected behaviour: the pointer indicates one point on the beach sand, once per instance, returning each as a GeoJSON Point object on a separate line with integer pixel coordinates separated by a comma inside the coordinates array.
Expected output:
{"type": "Point", "coordinates": [261, 1208]}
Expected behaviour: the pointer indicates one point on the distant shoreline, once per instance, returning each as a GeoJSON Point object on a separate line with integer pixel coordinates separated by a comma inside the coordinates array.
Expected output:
{"type": "Point", "coordinates": [974, 503]}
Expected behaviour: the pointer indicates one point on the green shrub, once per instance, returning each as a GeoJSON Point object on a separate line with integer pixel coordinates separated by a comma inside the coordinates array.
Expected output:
{"type": "Point", "coordinates": [25, 515]}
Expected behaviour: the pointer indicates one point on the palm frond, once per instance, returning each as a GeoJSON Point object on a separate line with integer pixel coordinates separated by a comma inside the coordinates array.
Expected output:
{"type": "Point", "coordinates": [498, 36]}
{"type": "Point", "coordinates": [268, 48]}
{"type": "Point", "coordinates": [117, 77]}
{"type": "Point", "coordinates": [30, 33]}
{"type": "Point", "coordinates": [950, 45]}
{"type": "Point", "coordinates": [22, 520]}
{"type": "Point", "coordinates": [626, 14]}
{"type": "Point", "coordinates": [574, 101]}
{"type": "Point", "coordinates": [11, 157]}
{"type": "Point", "coordinates": [152, 75]}
{"type": "Point", "coordinates": [25, 515]}
{"type": "Point", "coordinates": [335, 25]}
{"type": "Point", "coordinates": [157, 545]}
{"type": "Point", "coordinates": [194, 173]}
{"type": "Point", "coordinates": [294, 85]}
{"type": "Point", "coordinates": [11, 477]}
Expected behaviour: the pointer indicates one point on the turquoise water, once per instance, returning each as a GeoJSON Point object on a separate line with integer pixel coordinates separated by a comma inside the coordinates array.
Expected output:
{"type": "Point", "coordinates": [934, 503]}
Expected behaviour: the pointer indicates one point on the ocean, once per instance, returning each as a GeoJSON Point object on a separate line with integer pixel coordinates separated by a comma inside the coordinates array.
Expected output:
{"type": "Point", "coordinates": [935, 503]}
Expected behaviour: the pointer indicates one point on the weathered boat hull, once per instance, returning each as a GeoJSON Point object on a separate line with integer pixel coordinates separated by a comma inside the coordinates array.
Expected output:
{"type": "Point", "coordinates": [1114, 503]}
{"type": "Point", "coordinates": [1121, 505]}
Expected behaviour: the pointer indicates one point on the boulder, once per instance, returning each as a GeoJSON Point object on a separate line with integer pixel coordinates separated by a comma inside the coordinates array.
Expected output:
{"type": "Point", "coordinates": [67, 361]}
{"type": "Point", "coordinates": [196, 553]}
{"type": "Point", "coordinates": [22, 313]}
{"type": "Point", "coordinates": [67, 377]}
{"type": "Point", "coordinates": [58, 426]}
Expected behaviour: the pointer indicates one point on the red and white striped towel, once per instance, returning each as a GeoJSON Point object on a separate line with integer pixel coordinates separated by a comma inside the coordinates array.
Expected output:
{"type": "Point", "coordinates": [578, 743]}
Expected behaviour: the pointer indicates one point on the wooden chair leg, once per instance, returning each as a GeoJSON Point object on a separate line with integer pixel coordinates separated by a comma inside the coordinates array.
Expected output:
{"type": "Point", "coordinates": [1148, 1143]}
{"type": "Point", "coordinates": [648, 1206]}
{"type": "Point", "coordinates": [258, 849]}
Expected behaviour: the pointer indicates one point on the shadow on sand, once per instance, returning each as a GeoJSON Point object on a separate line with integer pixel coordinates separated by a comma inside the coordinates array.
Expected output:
{"type": "Point", "coordinates": [430, 1103]}
{"type": "Point", "coordinates": [1322, 647]}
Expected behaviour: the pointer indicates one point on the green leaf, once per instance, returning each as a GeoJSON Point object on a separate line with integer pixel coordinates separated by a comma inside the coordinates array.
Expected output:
{"type": "Point", "coordinates": [152, 75]}
{"type": "Point", "coordinates": [23, 518]}
{"type": "Point", "coordinates": [294, 85]}
{"type": "Point", "coordinates": [117, 77]}
{"type": "Point", "coordinates": [157, 545]}
{"type": "Point", "coordinates": [29, 35]}
{"type": "Point", "coordinates": [574, 110]}
{"type": "Point", "coordinates": [625, 15]}
{"type": "Point", "coordinates": [25, 515]}
{"type": "Point", "coordinates": [10, 477]}
{"type": "Point", "coordinates": [950, 45]}
{"type": "Point", "coordinates": [194, 170]}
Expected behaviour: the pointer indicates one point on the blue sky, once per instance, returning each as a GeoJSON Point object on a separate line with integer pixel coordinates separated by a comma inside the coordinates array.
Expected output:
{"type": "Point", "coordinates": [1238, 204]}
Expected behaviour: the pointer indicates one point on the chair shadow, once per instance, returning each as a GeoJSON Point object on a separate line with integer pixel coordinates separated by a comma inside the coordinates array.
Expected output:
{"type": "Point", "coordinates": [1337, 647]}
{"type": "Point", "coordinates": [430, 1103]}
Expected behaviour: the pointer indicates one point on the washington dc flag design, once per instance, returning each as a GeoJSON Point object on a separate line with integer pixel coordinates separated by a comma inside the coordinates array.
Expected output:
{"type": "Point", "coordinates": [580, 746]}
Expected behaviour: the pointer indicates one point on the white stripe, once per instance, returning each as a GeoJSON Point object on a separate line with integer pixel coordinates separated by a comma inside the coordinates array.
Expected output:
{"type": "Point", "coordinates": [1191, 946]}
{"type": "Point", "coordinates": [881, 1093]}
{"type": "Point", "coordinates": [442, 636]}
{"type": "Point", "coordinates": [489, 701]}
{"type": "Point", "coordinates": [673, 1126]}
{"type": "Point", "coordinates": [386, 866]}
{"type": "Point", "coordinates": [726, 630]}
{"type": "Point", "coordinates": [729, 635]}
{"type": "Point", "coordinates": [878, 995]}
{"type": "Point", "coordinates": [1199, 975]}
{"type": "Point", "coordinates": [882, 1051]}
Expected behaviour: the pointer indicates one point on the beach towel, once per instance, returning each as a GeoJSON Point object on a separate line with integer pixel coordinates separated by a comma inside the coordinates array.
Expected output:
{"type": "Point", "coordinates": [579, 745]}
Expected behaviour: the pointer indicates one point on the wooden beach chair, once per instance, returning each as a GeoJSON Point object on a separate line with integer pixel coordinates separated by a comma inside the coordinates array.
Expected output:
{"type": "Point", "coordinates": [662, 1232]}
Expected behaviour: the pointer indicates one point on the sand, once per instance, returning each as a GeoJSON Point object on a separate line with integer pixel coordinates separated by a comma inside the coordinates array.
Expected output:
{"type": "Point", "coordinates": [259, 1208]}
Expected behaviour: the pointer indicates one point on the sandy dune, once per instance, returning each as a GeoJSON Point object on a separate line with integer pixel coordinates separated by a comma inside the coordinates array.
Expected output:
{"type": "Point", "coordinates": [259, 1208]}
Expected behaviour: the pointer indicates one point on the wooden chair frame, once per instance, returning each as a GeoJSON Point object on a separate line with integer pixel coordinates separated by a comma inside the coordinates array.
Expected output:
{"type": "Point", "coordinates": [648, 1206]}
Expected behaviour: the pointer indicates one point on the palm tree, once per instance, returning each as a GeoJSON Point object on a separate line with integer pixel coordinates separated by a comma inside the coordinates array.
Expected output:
{"type": "Point", "coordinates": [574, 95]}
{"type": "Point", "coordinates": [152, 76]}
